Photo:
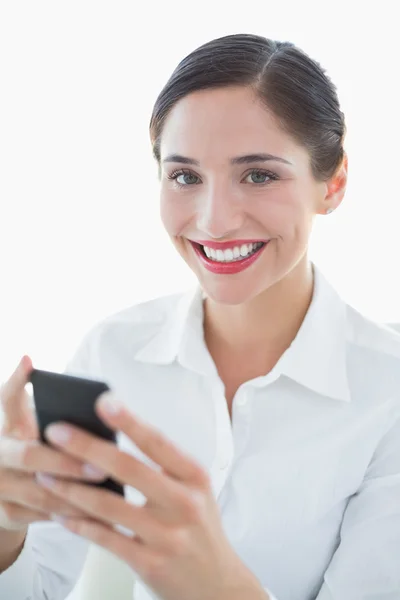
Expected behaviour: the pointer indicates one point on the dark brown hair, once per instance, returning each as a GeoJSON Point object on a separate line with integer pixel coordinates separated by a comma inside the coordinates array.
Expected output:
{"type": "Point", "coordinates": [288, 82]}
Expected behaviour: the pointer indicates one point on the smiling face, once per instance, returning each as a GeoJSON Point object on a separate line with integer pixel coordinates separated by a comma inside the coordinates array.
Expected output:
{"type": "Point", "coordinates": [218, 191]}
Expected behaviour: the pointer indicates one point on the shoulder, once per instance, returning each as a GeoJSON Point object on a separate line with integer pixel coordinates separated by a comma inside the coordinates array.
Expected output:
{"type": "Point", "coordinates": [373, 357]}
{"type": "Point", "coordinates": [139, 322]}
{"type": "Point", "coordinates": [122, 334]}
{"type": "Point", "coordinates": [378, 338]}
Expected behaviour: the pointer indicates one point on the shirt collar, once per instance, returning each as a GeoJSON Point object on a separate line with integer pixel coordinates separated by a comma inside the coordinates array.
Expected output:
{"type": "Point", "coordinates": [181, 337]}
{"type": "Point", "coordinates": [316, 358]}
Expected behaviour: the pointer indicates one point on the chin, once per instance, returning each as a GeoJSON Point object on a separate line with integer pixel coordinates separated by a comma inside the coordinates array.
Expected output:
{"type": "Point", "coordinates": [230, 292]}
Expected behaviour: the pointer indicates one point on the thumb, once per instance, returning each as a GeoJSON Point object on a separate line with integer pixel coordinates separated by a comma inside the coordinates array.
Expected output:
{"type": "Point", "coordinates": [19, 419]}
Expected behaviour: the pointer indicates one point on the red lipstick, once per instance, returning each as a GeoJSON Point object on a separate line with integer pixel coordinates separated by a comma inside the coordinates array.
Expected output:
{"type": "Point", "coordinates": [225, 245]}
{"type": "Point", "coordinates": [227, 268]}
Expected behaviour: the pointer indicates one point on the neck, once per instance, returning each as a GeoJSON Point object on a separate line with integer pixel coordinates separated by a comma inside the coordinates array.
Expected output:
{"type": "Point", "coordinates": [271, 320]}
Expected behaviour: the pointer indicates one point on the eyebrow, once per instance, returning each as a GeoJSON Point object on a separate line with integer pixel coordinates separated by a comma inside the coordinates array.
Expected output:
{"type": "Point", "coordinates": [237, 160]}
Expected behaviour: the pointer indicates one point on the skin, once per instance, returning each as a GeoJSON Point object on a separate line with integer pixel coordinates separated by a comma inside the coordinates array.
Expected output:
{"type": "Point", "coordinates": [267, 302]}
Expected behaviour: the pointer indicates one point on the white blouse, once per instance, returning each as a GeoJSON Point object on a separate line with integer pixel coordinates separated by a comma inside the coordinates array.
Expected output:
{"type": "Point", "coordinates": [307, 475]}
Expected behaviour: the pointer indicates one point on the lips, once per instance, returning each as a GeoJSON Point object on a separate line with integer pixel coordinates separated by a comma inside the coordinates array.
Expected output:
{"type": "Point", "coordinates": [227, 268]}
{"type": "Point", "coordinates": [225, 245]}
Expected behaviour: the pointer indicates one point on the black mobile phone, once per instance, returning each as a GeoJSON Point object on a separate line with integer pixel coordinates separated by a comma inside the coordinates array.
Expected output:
{"type": "Point", "coordinates": [61, 397]}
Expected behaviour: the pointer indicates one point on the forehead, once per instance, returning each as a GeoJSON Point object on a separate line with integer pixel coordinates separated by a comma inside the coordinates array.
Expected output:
{"type": "Point", "coordinates": [223, 122]}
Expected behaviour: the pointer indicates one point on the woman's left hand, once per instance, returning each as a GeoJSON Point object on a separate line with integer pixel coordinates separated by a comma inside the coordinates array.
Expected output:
{"type": "Point", "coordinates": [179, 548]}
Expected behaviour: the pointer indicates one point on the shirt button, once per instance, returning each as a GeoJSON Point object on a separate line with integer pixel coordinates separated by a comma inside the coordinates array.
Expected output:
{"type": "Point", "coordinates": [241, 400]}
{"type": "Point", "coordinates": [223, 463]}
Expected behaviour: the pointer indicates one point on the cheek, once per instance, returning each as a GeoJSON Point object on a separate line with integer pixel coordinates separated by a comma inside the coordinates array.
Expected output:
{"type": "Point", "coordinates": [174, 215]}
{"type": "Point", "coordinates": [291, 210]}
{"type": "Point", "coordinates": [279, 213]}
{"type": "Point", "coordinates": [287, 217]}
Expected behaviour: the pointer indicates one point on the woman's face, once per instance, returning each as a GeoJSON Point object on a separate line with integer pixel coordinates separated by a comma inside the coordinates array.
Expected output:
{"type": "Point", "coordinates": [215, 189]}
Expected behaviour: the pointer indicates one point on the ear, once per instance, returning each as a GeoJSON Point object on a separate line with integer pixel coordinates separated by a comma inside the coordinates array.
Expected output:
{"type": "Point", "coordinates": [335, 188]}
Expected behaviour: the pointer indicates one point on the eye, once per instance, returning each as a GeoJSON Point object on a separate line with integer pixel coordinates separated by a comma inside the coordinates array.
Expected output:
{"type": "Point", "coordinates": [261, 176]}
{"type": "Point", "coordinates": [187, 177]}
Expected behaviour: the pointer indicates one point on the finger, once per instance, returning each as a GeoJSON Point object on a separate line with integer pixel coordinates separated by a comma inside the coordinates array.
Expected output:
{"type": "Point", "coordinates": [24, 491]}
{"type": "Point", "coordinates": [31, 456]}
{"type": "Point", "coordinates": [11, 389]}
{"type": "Point", "coordinates": [129, 549]}
{"type": "Point", "coordinates": [151, 441]}
{"type": "Point", "coordinates": [15, 401]}
{"type": "Point", "coordinates": [124, 468]}
{"type": "Point", "coordinates": [21, 515]}
{"type": "Point", "coordinates": [110, 508]}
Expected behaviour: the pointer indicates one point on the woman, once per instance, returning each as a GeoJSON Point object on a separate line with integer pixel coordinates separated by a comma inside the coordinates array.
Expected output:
{"type": "Point", "coordinates": [271, 468]}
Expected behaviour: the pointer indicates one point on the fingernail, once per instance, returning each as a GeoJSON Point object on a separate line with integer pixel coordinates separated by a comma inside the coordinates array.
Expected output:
{"type": "Point", "coordinates": [58, 433]}
{"type": "Point", "coordinates": [109, 404]}
{"type": "Point", "coordinates": [45, 480]}
{"type": "Point", "coordinates": [93, 472]}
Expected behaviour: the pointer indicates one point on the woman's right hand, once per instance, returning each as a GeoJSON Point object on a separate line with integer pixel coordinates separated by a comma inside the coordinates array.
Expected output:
{"type": "Point", "coordinates": [22, 500]}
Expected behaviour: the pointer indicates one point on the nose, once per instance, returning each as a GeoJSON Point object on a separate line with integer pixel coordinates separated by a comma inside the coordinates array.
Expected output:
{"type": "Point", "coordinates": [219, 214]}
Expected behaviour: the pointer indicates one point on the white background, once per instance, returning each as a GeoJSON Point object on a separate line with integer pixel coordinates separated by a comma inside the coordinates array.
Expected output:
{"type": "Point", "coordinates": [80, 235]}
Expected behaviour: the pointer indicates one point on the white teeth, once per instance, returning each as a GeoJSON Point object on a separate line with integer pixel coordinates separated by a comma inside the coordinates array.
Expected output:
{"type": "Point", "coordinates": [232, 254]}
{"type": "Point", "coordinates": [228, 254]}
{"type": "Point", "coordinates": [236, 252]}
